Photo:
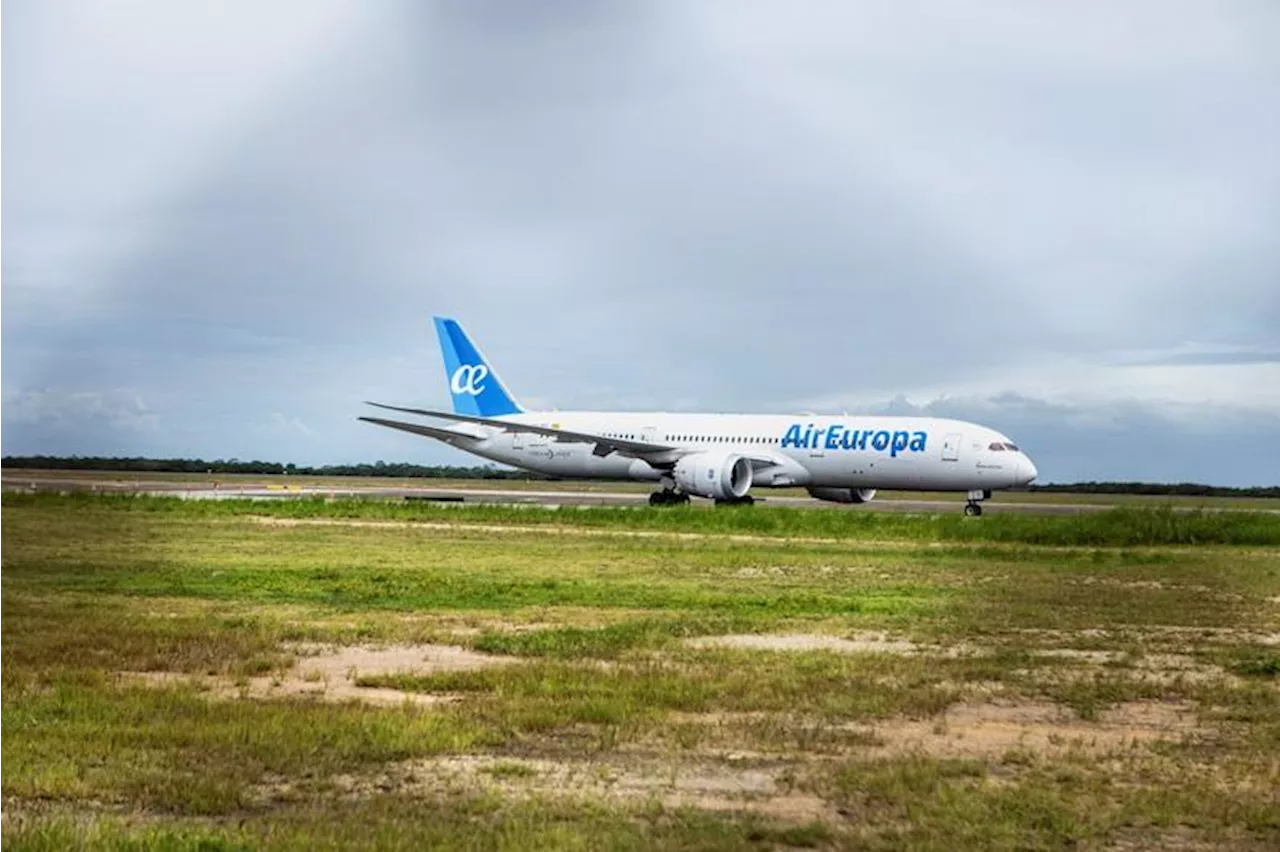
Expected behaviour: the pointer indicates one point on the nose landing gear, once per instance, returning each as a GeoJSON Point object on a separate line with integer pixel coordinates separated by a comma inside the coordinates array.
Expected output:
{"type": "Point", "coordinates": [973, 503]}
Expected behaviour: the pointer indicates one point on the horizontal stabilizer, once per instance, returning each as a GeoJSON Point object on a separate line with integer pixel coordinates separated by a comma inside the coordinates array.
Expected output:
{"type": "Point", "coordinates": [639, 449]}
{"type": "Point", "coordinates": [447, 435]}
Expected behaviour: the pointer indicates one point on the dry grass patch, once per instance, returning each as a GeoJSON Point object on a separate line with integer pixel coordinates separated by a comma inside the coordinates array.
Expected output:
{"type": "Point", "coordinates": [992, 730]}
{"type": "Point", "coordinates": [764, 787]}
{"type": "Point", "coordinates": [861, 642]}
{"type": "Point", "coordinates": [332, 673]}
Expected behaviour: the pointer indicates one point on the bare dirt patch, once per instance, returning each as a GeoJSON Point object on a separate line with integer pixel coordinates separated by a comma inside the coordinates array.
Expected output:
{"type": "Point", "coordinates": [761, 787]}
{"type": "Point", "coordinates": [1172, 668]}
{"type": "Point", "coordinates": [862, 643]}
{"type": "Point", "coordinates": [866, 642]}
{"type": "Point", "coordinates": [1175, 637]}
{"type": "Point", "coordinates": [993, 730]}
{"type": "Point", "coordinates": [329, 673]}
{"type": "Point", "coordinates": [1163, 668]}
{"type": "Point", "coordinates": [1100, 658]}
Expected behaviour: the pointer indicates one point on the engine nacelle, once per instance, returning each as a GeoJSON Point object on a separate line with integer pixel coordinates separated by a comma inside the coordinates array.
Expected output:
{"type": "Point", "coordinates": [722, 476]}
{"type": "Point", "coordinates": [843, 495]}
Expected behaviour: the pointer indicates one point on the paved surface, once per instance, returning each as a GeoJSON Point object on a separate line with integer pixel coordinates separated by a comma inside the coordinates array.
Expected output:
{"type": "Point", "coordinates": [212, 490]}
{"type": "Point", "coordinates": [215, 488]}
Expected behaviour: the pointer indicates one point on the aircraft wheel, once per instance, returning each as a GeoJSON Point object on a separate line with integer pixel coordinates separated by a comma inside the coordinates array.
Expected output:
{"type": "Point", "coordinates": [973, 510]}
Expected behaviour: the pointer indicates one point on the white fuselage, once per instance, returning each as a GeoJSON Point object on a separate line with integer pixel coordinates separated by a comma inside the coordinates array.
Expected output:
{"type": "Point", "coordinates": [913, 453]}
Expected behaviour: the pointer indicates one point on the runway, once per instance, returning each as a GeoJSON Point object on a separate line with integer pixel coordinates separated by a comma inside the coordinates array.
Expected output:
{"type": "Point", "coordinates": [214, 488]}
{"type": "Point", "coordinates": [622, 498]}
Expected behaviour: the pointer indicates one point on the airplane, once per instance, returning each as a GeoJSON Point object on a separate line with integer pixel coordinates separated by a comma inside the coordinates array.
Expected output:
{"type": "Point", "coordinates": [721, 457]}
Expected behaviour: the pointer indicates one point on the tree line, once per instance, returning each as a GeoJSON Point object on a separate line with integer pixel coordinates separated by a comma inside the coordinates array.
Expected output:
{"type": "Point", "coordinates": [146, 465]}
{"type": "Point", "coordinates": [1190, 489]}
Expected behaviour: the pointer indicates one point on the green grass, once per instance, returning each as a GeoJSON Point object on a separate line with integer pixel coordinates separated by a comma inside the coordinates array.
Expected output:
{"type": "Point", "coordinates": [1121, 527]}
{"type": "Point", "coordinates": [175, 751]}
{"type": "Point", "coordinates": [389, 821]}
{"type": "Point", "coordinates": [1260, 666]}
{"type": "Point", "coordinates": [948, 804]}
{"type": "Point", "coordinates": [599, 617]}
{"type": "Point", "coordinates": [608, 642]}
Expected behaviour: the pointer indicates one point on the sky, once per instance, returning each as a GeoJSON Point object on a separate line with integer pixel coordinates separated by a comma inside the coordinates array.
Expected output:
{"type": "Point", "coordinates": [226, 224]}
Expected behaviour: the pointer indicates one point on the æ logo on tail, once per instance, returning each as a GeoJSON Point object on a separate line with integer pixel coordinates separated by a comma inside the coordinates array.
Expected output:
{"type": "Point", "coordinates": [469, 379]}
{"type": "Point", "coordinates": [476, 388]}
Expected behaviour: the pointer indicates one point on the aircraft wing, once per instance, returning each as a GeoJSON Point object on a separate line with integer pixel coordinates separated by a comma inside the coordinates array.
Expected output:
{"type": "Point", "coordinates": [603, 445]}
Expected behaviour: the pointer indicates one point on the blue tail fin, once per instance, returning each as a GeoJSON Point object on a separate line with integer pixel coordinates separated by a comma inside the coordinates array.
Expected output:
{"type": "Point", "coordinates": [476, 388]}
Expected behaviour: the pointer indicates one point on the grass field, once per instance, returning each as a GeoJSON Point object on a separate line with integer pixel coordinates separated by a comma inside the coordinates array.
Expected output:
{"type": "Point", "coordinates": [352, 674]}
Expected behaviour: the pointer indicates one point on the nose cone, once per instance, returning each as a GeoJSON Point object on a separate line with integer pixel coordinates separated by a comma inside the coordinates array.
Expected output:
{"type": "Point", "coordinates": [1026, 471]}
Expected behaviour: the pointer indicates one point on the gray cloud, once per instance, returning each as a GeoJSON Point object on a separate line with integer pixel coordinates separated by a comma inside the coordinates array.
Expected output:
{"type": "Point", "coordinates": [249, 216]}
{"type": "Point", "coordinates": [119, 418]}
{"type": "Point", "coordinates": [1125, 440]}
{"type": "Point", "coordinates": [1209, 358]}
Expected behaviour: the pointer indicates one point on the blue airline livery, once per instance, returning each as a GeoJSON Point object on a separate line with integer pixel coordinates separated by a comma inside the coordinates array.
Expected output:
{"type": "Point", "coordinates": [841, 437]}
{"type": "Point", "coordinates": [721, 457]}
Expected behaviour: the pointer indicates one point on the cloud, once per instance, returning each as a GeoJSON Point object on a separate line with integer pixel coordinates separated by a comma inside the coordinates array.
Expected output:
{"type": "Point", "coordinates": [290, 426]}
{"type": "Point", "coordinates": [1210, 358]}
{"type": "Point", "coordinates": [80, 422]}
{"type": "Point", "coordinates": [244, 212]}
{"type": "Point", "coordinates": [120, 408]}
{"type": "Point", "coordinates": [1123, 440]}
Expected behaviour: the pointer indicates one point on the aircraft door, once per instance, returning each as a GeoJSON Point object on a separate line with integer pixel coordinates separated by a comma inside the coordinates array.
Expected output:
{"type": "Point", "coordinates": [951, 447]}
{"type": "Point", "coordinates": [648, 434]}
{"type": "Point", "coordinates": [517, 440]}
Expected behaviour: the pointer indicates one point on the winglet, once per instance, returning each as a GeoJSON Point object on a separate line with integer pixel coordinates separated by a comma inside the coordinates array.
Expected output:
{"type": "Point", "coordinates": [474, 386]}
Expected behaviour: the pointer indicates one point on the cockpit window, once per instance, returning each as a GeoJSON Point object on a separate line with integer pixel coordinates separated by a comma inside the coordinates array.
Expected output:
{"type": "Point", "coordinates": [996, 447]}
{"type": "Point", "coordinates": [1011, 447]}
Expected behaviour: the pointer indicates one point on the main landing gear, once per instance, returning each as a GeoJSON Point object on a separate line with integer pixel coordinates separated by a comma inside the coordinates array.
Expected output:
{"type": "Point", "coordinates": [668, 497]}
{"type": "Point", "coordinates": [973, 505]}
{"type": "Point", "coordinates": [671, 497]}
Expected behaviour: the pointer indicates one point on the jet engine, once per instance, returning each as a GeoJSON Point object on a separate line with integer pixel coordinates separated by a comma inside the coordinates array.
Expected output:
{"type": "Point", "coordinates": [722, 476]}
{"type": "Point", "coordinates": [843, 495]}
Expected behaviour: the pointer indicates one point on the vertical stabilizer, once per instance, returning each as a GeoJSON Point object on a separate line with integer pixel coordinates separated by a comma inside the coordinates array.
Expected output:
{"type": "Point", "coordinates": [475, 387]}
